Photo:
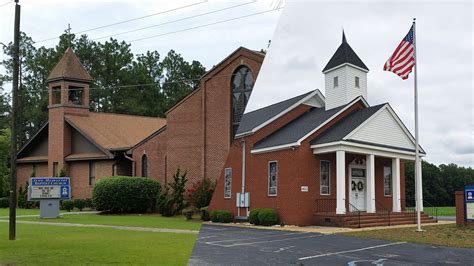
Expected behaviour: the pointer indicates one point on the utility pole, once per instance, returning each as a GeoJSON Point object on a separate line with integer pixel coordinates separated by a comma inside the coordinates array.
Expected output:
{"type": "Point", "coordinates": [14, 122]}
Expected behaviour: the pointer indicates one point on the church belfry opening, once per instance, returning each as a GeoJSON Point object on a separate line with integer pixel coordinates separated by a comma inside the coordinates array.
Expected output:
{"type": "Point", "coordinates": [242, 84]}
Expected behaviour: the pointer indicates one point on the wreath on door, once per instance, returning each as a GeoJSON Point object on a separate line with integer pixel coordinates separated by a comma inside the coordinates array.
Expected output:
{"type": "Point", "coordinates": [357, 186]}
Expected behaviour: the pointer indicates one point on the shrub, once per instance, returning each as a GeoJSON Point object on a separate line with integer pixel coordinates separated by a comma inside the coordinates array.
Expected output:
{"type": "Point", "coordinates": [188, 213]}
{"type": "Point", "coordinates": [67, 205]}
{"type": "Point", "coordinates": [171, 201]}
{"type": "Point", "coordinates": [204, 214]}
{"type": "Point", "coordinates": [4, 203]}
{"type": "Point", "coordinates": [23, 198]}
{"type": "Point", "coordinates": [253, 216]}
{"type": "Point", "coordinates": [80, 204]}
{"type": "Point", "coordinates": [221, 216]}
{"type": "Point", "coordinates": [267, 216]}
{"type": "Point", "coordinates": [89, 203]}
{"type": "Point", "coordinates": [200, 194]}
{"type": "Point", "coordinates": [123, 194]}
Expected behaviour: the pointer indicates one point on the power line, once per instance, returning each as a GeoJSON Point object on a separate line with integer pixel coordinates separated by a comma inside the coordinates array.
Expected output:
{"type": "Point", "coordinates": [7, 3]}
{"type": "Point", "coordinates": [132, 86]}
{"type": "Point", "coordinates": [128, 20]}
{"type": "Point", "coordinates": [174, 21]}
{"type": "Point", "coordinates": [206, 25]}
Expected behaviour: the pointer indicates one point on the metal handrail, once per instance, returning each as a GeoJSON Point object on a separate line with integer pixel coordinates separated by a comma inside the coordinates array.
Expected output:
{"type": "Point", "coordinates": [383, 211]}
{"type": "Point", "coordinates": [426, 203]}
{"type": "Point", "coordinates": [355, 208]}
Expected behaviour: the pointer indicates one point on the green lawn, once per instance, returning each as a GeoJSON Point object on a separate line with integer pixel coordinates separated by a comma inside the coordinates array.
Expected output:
{"type": "Point", "coordinates": [140, 220]}
{"type": "Point", "coordinates": [442, 211]}
{"type": "Point", "coordinates": [146, 220]}
{"type": "Point", "coordinates": [444, 235]}
{"type": "Point", "coordinates": [53, 245]}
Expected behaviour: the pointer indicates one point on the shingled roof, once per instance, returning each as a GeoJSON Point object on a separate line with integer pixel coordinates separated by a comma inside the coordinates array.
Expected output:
{"type": "Point", "coordinates": [255, 118]}
{"type": "Point", "coordinates": [298, 128]}
{"type": "Point", "coordinates": [69, 67]}
{"type": "Point", "coordinates": [115, 131]}
{"type": "Point", "coordinates": [344, 54]}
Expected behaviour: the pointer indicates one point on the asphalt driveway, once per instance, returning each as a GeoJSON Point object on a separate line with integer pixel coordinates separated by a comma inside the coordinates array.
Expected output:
{"type": "Point", "coordinates": [221, 245]}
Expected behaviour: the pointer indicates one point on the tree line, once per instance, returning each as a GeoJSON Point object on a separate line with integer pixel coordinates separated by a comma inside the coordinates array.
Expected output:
{"type": "Point", "coordinates": [439, 182]}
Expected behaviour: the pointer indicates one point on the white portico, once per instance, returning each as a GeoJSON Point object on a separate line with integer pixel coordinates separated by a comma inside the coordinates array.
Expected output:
{"type": "Point", "coordinates": [370, 133]}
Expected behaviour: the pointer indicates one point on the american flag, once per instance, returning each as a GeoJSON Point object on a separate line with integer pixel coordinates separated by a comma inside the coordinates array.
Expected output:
{"type": "Point", "coordinates": [403, 59]}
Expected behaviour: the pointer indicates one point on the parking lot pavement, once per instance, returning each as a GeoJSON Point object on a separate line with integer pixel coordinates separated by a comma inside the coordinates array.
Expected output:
{"type": "Point", "coordinates": [221, 245]}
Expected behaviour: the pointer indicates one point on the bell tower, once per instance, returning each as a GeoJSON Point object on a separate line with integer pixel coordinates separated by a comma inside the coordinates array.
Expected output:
{"type": "Point", "coordinates": [68, 87]}
{"type": "Point", "coordinates": [345, 76]}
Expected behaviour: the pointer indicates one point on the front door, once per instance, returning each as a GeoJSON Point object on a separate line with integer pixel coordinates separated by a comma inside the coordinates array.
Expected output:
{"type": "Point", "coordinates": [357, 187]}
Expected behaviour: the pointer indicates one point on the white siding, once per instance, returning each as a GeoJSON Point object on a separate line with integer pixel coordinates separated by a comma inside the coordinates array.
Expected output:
{"type": "Point", "coordinates": [346, 91]}
{"type": "Point", "coordinates": [383, 129]}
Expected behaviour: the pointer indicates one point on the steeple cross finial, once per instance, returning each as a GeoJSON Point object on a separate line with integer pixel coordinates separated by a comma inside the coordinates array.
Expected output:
{"type": "Point", "coordinates": [69, 34]}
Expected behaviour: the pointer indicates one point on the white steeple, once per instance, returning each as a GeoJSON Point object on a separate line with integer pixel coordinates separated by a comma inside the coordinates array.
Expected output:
{"type": "Point", "coordinates": [345, 76]}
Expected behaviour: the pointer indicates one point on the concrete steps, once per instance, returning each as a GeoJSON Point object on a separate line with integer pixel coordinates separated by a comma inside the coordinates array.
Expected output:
{"type": "Point", "coordinates": [382, 219]}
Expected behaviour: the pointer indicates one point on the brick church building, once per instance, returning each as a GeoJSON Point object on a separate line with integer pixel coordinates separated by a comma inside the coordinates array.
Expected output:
{"type": "Point", "coordinates": [320, 159]}
{"type": "Point", "coordinates": [195, 136]}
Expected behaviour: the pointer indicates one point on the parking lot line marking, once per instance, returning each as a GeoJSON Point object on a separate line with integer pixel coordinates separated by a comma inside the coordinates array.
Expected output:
{"type": "Point", "coordinates": [260, 242]}
{"type": "Point", "coordinates": [353, 250]}
{"type": "Point", "coordinates": [254, 238]}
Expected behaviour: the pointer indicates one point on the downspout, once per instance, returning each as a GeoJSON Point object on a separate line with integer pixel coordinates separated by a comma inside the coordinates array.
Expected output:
{"type": "Point", "coordinates": [242, 141]}
{"type": "Point", "coordinates": [133, 162]}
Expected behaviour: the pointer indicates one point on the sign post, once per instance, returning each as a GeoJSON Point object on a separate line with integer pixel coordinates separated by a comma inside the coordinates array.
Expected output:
{"type": "Point", "coordinates": [469, 203]}
{"type": "Point", "coordinates": [49, 191]}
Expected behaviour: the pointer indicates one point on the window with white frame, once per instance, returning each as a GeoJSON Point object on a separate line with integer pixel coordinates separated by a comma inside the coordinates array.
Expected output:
{"type": "Point", "coordinates": [336, 82]}
{"type": "Point", "coordinates": [227, 183]}
{"type": "Point", "coordinates": [324, 178]}
{"type": "Point", "coordinates": [387, 181]}
{"type": "Point", "coordinates": [272, 178]}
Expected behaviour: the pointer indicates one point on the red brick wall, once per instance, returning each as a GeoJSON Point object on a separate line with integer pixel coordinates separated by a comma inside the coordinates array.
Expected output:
{"type": "Point", "coordinates": [199, 128]}
{"type": "Point", "coordinates": [155, 149]}
{"type": "Point", "coordinates": [79, 174]}
{"type": "Point", "coordinates": [460, 210]}
{"type": "Point", "coordinates": [24, 171]}
{"type": "Point", "coordinates": [296, 168]}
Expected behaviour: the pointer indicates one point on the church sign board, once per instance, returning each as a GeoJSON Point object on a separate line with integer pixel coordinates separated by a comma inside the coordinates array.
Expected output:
{"type": "Point", "coordinates": [469, 202]}
{"type": "Point", "coordinates": [49, 188]}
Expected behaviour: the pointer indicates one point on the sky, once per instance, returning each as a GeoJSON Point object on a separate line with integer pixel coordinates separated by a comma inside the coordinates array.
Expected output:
{"type": "Point", "coordinates": [304, 35]}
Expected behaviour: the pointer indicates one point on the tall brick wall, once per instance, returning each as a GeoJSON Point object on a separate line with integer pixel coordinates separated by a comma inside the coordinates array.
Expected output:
{"type": "Point", "coordinates": [461, 211]}
{"type": "Point", "coordinates": [155, 150]}
{"type": "Point", "coordinates": [79, 174]}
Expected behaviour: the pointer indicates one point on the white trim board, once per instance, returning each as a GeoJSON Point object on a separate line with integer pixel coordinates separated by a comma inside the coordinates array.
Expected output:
{"type": "Point", "coordinates": [363, 149]}
{"type": "Point", "coordinates": [302, 101]}
{"type": "Point", "coordinates": [298, 143]}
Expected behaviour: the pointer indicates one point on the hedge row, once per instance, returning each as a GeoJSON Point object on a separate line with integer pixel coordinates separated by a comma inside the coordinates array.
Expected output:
{"type": "Point", "coordinates": [263, 216]}
{"type": "Point", "coordinates": [4, 202]}
{"type": "Point", "coordinates": [220, 216]}
{"type": "Point", "coordinates": [124, 194]}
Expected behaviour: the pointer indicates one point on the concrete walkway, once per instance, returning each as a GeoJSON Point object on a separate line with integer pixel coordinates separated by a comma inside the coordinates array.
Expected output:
{"type": "Point", "coordinates": [60, 214]}
{"type": "Point", "coordinates": [325, 230]}
{"type": "Point", "coordinates": [117, 227]}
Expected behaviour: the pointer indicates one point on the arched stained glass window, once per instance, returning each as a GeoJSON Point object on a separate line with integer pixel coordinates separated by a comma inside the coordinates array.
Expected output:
{"type": "Point", "coordinates": [242, 84]}
{"type": "Point", "coordinates": [144, 166]}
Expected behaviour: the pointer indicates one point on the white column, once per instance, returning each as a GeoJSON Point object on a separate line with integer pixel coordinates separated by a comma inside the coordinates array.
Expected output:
{"type": "Point", "coordinates": [370, 197]}
{"type": "Point", "coordinates": [396, 185]}
{"type": "Point", "coordinates": [419, 187]}
{"type": "Point", "coordinates": [341, 182]}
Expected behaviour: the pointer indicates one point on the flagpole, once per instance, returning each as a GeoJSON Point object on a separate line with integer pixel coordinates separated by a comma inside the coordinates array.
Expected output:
{"type": "Point", "coordinates": [417, 167]}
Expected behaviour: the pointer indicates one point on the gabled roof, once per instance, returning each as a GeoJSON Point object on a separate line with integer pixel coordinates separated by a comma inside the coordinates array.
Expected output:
{"type": "Point", "coordinates": [296, 131]}
{"type": "Point", "coordinates": [115, 131]}
{"type": "Point", "coordinates": [69, 67]}
{"type": "Point", "coordinates": [344, 55]}
{"type": "Point", "coordinates": [346, 125]}
{"type": "Point", "coordinates": [374, 126]}
{"type": "Point", "coordinates": [297, 128]}
{"type": "Point", "coordinates": [252, 121]}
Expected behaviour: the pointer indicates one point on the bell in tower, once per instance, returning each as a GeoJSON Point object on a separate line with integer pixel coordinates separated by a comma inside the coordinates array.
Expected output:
{"type": "Point", "coordinates": [68, 84]}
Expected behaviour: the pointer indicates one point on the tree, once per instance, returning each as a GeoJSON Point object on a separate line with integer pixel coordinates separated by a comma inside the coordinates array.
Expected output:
{"type": "Point", "coordinates": [122, 82]}
{"type": "Point", "coordinates": [4, 162]}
